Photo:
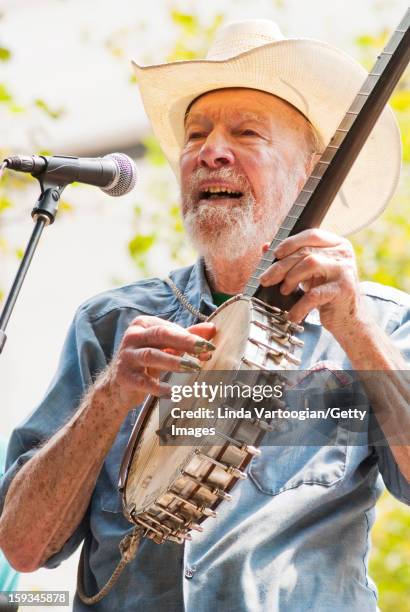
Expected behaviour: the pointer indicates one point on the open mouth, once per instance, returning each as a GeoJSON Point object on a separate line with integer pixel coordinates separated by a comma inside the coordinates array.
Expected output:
{"type": "Point", "coordinates": [215, 193]}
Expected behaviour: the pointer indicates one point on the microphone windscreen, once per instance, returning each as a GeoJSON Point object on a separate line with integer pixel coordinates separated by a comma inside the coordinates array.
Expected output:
{"type": "Point", "coordinates": [126, 176]}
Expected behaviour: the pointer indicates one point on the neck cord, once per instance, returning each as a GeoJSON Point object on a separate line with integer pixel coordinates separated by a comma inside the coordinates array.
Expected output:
{"type": "Point", "coordinates": [184, 300]}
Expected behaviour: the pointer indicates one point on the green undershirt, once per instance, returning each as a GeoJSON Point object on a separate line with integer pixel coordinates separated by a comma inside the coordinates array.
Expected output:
{"type": "Point", "coordinates": [220, 298]}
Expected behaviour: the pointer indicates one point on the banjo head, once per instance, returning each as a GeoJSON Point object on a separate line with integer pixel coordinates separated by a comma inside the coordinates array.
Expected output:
{"type": "Point", "coordinates": [170, 489]}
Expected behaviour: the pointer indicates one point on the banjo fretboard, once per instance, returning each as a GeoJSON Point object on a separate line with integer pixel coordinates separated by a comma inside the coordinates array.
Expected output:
{"type": "Point", "coordinates": [335, 162]}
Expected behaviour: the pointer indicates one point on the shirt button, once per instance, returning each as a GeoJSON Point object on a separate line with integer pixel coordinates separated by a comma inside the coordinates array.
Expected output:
{"type": "Point", "coordinates": [189, 572]}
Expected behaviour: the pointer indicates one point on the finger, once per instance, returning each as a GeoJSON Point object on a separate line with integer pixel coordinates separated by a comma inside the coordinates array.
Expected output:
{"type": "Point", "coordinates": [206, 330]}
{"type": "Point", "coordinates": [149, 357]}
{"type": "Point", "coordinates": [310, 238]}
{"type": "Point", "coordinates": [154, 372]}
{"type": "Point", "coordinates": [279, 269]}
{"type": "Point", "coordinates": [147, 321]}
{"type": "Point", "coordinates": [162, 336]}
{"type": "Point", "coordinates": [314, 268]}
{"type": "Point", "coordinates": [203, 356]}
{"type": "Point", "coordinates": [315, 297]}
{"type": "Point", "coordinates": [265, 247]}
{"type": "Point", "coordinates": [150, 385]}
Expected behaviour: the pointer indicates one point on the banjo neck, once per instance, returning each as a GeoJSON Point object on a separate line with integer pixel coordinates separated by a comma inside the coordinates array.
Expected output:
{"type": "Point", "coordinates": [328, 175]}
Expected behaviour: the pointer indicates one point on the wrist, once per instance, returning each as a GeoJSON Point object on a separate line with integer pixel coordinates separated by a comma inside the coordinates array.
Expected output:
{"type": "Point", "coordinates": [358, 326]}
{"type": "Point", "coordinates": [105, 395]}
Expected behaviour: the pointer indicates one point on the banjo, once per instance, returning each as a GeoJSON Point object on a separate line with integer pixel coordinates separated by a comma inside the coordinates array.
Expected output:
{"type": "Point", "coordinates": [168, 490]}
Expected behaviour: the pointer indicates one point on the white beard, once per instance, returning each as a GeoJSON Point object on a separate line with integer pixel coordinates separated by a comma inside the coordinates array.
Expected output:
{"type": "Point", "coordinates": [230, 232]}
{"type": "Point", "coordinates": [225, 232]}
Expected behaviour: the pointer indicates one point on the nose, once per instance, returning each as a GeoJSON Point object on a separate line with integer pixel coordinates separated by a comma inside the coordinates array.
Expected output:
{"type": "Point", "coordinates": [216, 152]}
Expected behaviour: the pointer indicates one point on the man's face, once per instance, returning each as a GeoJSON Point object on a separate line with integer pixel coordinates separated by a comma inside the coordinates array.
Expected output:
{"type": "Point", "coordinates": [243, 162]}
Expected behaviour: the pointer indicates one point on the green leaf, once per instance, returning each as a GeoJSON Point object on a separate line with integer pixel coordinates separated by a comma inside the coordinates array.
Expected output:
{"type": "Point", "coordinates": [140, 244]}
{"type": "Point", "coordinates": [45, 152]}
{"type": "Point", "coordinates": [400, 101]}
{"type": "Point", "coordinates": [370, 41]}
{"type": "Point", "coordinates": [4, 203]}
{"type": "Point", "coordinates": [188, 23]}
{"type": "Point", "coordinates": [153, 152]}
{"type": "Point", "coordinates": [182, 52]}
{"type": "Point", "coordinates": [15, 108]}
{"type": "Point", "coordinates": [5, 95]}
{"type": "Point", "coordinates": [5, 54]}
{"type": "Point", "coordinates": [175, 214]}
{"type": "Point", "coordinates": [65, 206]}
{"type": "Point", "coordinates": [390, 553]}
{"type": "Point", "coordinates": [365, 40]}
{"type": "Point", "coordinates": [53, 113]}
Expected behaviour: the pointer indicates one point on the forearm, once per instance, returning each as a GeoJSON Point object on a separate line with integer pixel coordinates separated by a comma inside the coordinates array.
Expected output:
{"type": "Point", "coordinates": [368, 347]}
{"type": "Point", "coordinates": [386, 378]}
{"type": "Point", "coordinates": [50, 494]}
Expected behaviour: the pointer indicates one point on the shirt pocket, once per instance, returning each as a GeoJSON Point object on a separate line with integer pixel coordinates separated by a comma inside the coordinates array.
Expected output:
{"type": "Point", "coordinates": [297, 452]}
{"type": "Point", "coordinates": [280, 468]}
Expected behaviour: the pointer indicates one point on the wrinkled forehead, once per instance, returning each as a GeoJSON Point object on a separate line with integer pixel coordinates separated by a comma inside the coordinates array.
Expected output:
{"type": "Point", "coordinates": [251, 104]}
{"type": "Point", "coordinates": [243, 104]}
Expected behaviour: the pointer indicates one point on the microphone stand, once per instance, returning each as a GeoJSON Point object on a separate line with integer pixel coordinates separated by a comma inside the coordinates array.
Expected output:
{"type": "Point", "coordinates": [43, 214]}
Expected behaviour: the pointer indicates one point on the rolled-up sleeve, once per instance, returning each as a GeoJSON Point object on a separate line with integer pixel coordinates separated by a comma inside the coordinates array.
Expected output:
{"type": "Point", "coordinates": [394, 480]}
{"type": "Point", "coordinates": [81, 360]}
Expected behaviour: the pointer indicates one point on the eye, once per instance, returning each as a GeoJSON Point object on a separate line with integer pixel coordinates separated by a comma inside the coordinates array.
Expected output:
{"type": "Point", "coordinates": [194, 135]}
{"type": "Point", "coordinates": [248, 132]}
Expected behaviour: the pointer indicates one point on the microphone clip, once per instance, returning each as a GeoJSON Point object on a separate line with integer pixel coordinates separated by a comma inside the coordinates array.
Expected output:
{"type": "Point", "coordinates": [46, 207]}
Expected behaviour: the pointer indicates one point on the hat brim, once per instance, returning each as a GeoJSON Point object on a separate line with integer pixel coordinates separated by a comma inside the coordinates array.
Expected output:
{"type": "Point", "coordinates": [320, 80]}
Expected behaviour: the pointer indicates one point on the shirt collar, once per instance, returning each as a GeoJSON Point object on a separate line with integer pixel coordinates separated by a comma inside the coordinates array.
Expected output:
{"type": "Point", "coordinates": [199, 293]}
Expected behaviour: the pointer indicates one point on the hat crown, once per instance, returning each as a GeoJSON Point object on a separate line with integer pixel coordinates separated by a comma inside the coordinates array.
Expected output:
{"type": "Point", "coordinates": [240, 36]}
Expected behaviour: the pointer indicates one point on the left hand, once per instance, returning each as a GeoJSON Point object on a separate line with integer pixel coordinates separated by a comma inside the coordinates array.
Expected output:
{"type": "Point", "coordinates": [324, 265]}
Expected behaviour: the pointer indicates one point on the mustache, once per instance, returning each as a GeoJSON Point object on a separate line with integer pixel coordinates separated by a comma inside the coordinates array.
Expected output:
{"type": "Point", "coordinates": [228, 174]}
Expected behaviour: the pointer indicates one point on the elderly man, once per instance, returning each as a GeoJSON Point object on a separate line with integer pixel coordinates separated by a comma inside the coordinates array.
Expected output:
{"type": "Point", "coordinates": [296, 534]}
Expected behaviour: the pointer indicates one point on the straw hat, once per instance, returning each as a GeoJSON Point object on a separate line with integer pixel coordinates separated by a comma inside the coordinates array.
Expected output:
{"type": "Point", "coordinates": [320, 80]}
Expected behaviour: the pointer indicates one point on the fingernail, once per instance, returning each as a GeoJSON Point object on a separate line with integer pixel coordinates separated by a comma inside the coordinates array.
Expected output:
{"type": "Point", "coordinates": [201, 346]}
{"type": "Point", "coordinates": [189, 364]}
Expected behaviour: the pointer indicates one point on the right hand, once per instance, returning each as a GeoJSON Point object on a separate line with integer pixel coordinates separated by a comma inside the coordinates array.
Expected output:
{"type": "Point", "coordinates": [150, 346]}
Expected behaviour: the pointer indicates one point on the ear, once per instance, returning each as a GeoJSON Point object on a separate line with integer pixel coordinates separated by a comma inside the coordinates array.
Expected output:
{"type": "Point", "coordinates": [311, 163]}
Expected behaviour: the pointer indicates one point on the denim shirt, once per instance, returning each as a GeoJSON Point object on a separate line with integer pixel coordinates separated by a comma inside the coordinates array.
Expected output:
{"type": "Point", "coordinates": [296, 534]}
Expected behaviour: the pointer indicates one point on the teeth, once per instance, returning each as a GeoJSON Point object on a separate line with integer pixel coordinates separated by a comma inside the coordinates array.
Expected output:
{"type": "Point", "coordinates": [217, 190]}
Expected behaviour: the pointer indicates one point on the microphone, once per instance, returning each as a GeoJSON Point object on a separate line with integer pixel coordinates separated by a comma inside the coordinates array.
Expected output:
{"type": "Point", "coordinates": [115, 173]}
